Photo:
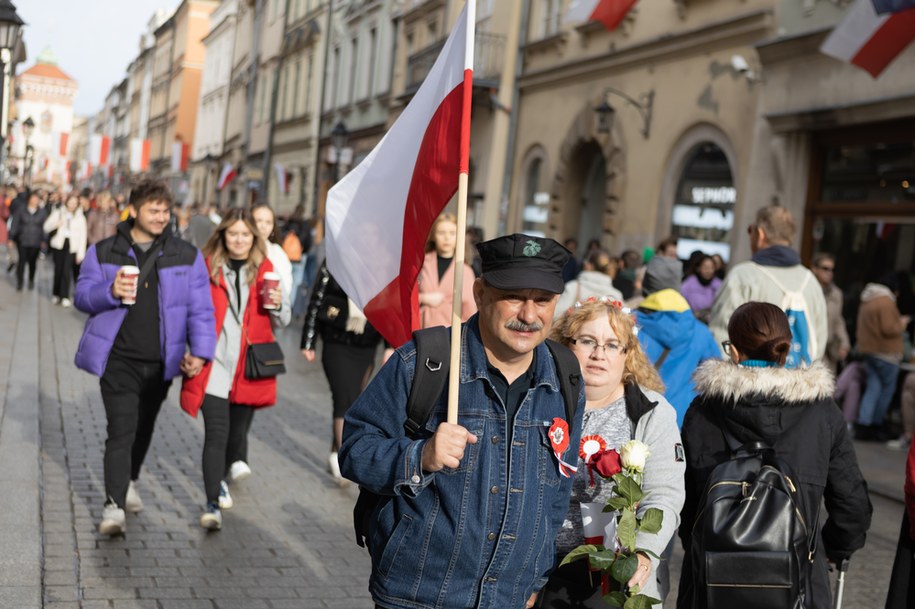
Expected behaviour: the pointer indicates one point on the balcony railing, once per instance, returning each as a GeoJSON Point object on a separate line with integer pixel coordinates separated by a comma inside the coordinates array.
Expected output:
{"type": "Point", "coordinates": [488, 55]}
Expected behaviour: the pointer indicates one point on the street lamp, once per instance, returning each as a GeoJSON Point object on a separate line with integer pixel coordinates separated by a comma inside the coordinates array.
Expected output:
{"type": "Point", "coordinates": [338, 137]}
{"type": "Point", "coordinates": [10, 24]}
{"type": "Point", "coordinates": [27, 126]}
{"type": "Point", "coordinates": [606, 112]}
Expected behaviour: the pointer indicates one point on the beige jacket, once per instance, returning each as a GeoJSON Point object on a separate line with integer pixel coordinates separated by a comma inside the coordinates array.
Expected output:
{"type": "Point", "coordinates": [837, 332]}
{"type": "Point", "coordinates": [880, 326]}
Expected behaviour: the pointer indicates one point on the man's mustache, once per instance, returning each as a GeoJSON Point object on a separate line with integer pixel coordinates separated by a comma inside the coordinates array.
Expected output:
{"type": "Point", "coordinates": [520, 326]}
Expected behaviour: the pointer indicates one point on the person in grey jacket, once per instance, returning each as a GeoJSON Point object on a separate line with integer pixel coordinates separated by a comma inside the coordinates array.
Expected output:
{"type": "Point", "coordinates": [595, 279]}
{"type": "Point", "coordinates": [27, 232]}
{"type": "Point", "coordinates": [624, 401]}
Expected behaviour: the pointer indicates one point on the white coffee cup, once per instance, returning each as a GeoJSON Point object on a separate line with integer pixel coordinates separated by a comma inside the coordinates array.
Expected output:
{"type": "Point", "coordinates": [271, 282]}
{"type": "Point", "coordinates": [132, 273]}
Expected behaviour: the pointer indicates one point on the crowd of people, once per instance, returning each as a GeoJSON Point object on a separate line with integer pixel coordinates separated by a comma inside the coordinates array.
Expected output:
{"type": "Point", "coordinates": [697, 362]}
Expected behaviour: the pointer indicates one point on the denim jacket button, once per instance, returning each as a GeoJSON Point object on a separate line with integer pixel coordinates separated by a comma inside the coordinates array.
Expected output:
{"type": "Point", "coordinates": [415, 479]}
{"type": "Point", "coordinates": [494, 490]}
{"type": "Point", "coordinates": [495, 439]}
{"type": "Point", "coordinates": [491, 536]}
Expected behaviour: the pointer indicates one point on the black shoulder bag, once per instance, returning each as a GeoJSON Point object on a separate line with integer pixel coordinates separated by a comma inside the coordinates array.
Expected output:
{"type": "Point", "coordinates": [262, 360]}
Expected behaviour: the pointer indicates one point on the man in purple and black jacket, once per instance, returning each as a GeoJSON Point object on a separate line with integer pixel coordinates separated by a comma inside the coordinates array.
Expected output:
{"type": "Point", "coordinates": [136, 350]}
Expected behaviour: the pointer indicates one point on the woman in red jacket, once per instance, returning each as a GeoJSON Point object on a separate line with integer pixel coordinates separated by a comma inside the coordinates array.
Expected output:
{"type": "Point", "coordinates": [236, 258]}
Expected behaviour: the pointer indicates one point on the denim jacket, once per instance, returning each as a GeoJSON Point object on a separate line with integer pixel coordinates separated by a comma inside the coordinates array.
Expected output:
{"type": "Point", "coordinates": [481, 535]}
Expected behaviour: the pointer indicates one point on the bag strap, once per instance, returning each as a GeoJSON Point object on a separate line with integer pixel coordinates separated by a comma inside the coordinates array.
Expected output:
{"type": "Point", "coordinates": [433, 356]}
{"type": "Point", "coordinates": [772, 278]}
{"type": "Point", "coordinates": [660, 361]}
{"type": "Point", "coordinates": [569, 376]}
{"type": "Point", "coordinates": [151, 256]}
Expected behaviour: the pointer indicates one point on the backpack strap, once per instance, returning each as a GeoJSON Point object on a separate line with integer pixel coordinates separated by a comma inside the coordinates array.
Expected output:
{"type": "Point", "coordinates": [771, 277]}
{"type": "Point", "coordinates": [433, 357]}
{"type": "Point", "coordinates": [660, 361]}
{"type": "Point", "coordinates": [569, 376]}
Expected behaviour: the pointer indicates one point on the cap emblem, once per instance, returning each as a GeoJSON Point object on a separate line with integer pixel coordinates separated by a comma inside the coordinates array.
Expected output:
{"type": "Point", "coordinates": [531, 249]}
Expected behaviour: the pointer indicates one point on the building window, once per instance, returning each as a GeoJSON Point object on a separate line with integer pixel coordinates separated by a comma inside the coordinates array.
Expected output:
{"type": "Point", "coordinates": [335, 81]}
{"type": "Point", "coordinates": [354, 69]}
{"type": "Point", "coordinates": [308, 82]}
{"type": "Point", "coordinates": [552, 14]}
{"type": "Point", "coordinates": [703, 210]}
{"type": "Point", "coordinates": [536, 212]}
{"type": "Point", "coordinates": [373, 61]}
{"type": "Point", "coordinates": [297, 70]}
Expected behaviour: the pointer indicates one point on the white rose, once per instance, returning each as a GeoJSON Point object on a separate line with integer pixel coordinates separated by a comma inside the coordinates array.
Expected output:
{"type": "Point", "coordinates": [634, 454]}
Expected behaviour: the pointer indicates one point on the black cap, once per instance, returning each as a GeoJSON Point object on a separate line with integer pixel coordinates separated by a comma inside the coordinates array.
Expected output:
{"type": "Point", "coordinates": [522, 262]}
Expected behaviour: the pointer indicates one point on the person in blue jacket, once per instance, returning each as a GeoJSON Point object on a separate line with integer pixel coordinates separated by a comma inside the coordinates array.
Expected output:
{"type": "Point", "coordinates": [676, 343]}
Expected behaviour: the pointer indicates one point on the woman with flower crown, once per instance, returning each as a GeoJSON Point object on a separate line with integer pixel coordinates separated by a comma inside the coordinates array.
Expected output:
{"type": "Point", "coordinates": [624, 402]}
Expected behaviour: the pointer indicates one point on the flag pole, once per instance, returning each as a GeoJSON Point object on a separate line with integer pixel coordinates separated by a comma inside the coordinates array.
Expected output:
{"type": "Point", "coordinates": [454, 374]}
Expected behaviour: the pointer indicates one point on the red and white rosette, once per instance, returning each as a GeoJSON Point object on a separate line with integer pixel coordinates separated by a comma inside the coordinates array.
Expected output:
{"type": "Point", "coordinates": [559, 440]}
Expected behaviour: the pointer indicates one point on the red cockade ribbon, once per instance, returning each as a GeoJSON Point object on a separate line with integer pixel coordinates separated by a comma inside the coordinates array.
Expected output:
{"type": "Point", "coordinates": [559, 439]}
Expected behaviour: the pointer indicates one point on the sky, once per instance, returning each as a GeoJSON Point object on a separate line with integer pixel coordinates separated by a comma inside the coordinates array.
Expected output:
{"type": "Point", "coordinates": [94, 40]}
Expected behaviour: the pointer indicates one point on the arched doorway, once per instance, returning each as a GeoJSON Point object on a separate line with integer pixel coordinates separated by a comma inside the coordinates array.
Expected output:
{"type": "Point", "coordinates": [587, 202]}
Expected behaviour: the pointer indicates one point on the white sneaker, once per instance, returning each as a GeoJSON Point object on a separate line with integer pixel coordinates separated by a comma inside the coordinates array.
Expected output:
{"type": "Point", "coordinates": [239, 471]}
{"type": "Point", "coordinates": [211, 519]}
{"type": "Point", "coordinates": [133, 503]}
{"type": "Point", "coordinates": [333, 466]}
{"type": "Point", "coordinates": [65, 302]}
{"type": "Point", "coordinates": [55, 300]}
{"type": "Point", "coordinates": [113, 521]}
{"type": "Point", "coordinates": [225, 499]}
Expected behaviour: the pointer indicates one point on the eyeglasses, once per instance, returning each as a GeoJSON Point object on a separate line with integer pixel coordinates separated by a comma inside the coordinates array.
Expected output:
{"type": "Point", "coordinates": [726, 346]}
{"type": "Point", "coordinates": [589, 344]}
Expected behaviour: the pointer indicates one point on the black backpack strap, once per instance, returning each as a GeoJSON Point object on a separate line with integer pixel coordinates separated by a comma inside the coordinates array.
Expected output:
{"type": "Point", "coordinates": [433, 357]}
{"type": "Point", "coordinates": [569, 376]}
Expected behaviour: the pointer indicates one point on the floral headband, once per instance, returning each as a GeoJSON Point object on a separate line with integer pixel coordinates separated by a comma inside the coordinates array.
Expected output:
{"type": "Point", "coordinates": [616, 304]}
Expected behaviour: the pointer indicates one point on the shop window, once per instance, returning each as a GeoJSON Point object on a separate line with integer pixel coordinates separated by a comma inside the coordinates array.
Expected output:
{"type": "Point", "coordinates": [703, 210]}
{"type": "Point", "coordinates": [536, 204]}
{"type": "Point", "coordinates": [879, 172]}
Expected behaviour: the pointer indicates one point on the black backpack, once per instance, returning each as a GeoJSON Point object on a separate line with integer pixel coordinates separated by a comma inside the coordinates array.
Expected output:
{"type": "Point", "coordinates": [752, 541]}
{"type": "Point", "coordinates": [433, 356]}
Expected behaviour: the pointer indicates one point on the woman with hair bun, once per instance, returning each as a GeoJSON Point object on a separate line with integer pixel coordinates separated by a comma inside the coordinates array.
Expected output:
{"type": "Point", "coordinates": [754, 398]}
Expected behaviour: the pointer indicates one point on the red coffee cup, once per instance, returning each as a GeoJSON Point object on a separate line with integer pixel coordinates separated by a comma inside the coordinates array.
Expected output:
{"type": "Point", "coordinates": [271, 282]}
{"type": "Point", "coordinates": [132, 273]}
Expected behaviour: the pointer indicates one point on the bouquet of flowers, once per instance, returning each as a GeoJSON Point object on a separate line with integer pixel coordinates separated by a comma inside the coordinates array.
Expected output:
{"type": "Point", "coordinates": [624, 468]}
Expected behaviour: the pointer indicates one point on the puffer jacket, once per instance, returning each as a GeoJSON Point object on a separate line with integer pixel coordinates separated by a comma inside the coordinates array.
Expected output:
{"type": "Point", "coordinates": [326, 288]}
{"type": "Point", "coordinates": [792, 411]}
{"type": "Point", "coordinates": [667, 324]}
{"type": "Point", "coordinates": [70, 227]}
{"type": "Point", "coordinates": [27, 228]}
{"type": "Point", "coordinates": [880, 326]}
{"type": "Point", "coordinates": [186, 318]}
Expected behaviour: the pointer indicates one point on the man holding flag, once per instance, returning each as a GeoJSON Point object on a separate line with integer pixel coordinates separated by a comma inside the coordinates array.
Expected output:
{"type": "Point", "coordinates": [469, 512]}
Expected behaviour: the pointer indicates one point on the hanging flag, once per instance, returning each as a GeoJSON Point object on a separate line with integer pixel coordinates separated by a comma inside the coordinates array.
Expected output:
{"type": "Point", "coordinates": [67, 173]}
{"type": "Point", "coordinates": [868, 40]}
{"type": "Point", "coordinates": [139, 155]}
{"type": "Point", "coordinates": [281, 178]}
{"type": "Point", "coordinates": [181, 154]}
{"type": "Point", "coordinates": [892, 6]}
{"type": "Point", "coordinates": [379, 215]}
{"type": "Point", "coordinates": [63, 148]}
{"type": "Point", "coordinates": [609, 12]}
{"type": "Point", "coordinates": [227, 175]}
{"type": "Point", "coordinates": [99, 146]}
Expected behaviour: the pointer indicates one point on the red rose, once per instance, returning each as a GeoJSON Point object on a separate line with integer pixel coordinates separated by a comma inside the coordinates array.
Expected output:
{"type": "Point", "coordinates": [607, 463]}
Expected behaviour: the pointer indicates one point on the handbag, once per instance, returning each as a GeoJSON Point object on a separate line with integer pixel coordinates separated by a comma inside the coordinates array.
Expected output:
{"type": "Point", "coordinates": [333, 311]}
{"type": "Point", "coordinates": [264, 360]}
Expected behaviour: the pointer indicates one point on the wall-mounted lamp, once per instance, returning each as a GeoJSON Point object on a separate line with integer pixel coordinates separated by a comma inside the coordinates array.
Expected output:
{"type": "Point", "coordinates": [606, 112]}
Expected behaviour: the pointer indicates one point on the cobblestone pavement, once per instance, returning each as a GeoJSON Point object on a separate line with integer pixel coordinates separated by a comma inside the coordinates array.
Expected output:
{"type": "Point", "coordinates": [288, 543]}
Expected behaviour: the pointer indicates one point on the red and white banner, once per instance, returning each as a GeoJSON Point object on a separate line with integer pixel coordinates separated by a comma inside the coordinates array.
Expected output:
{"type": "Point", "coordinates": [181, 156]}
{"type": "Point", "coordinates": [868, 40]}
{"type": "Point", "coordinates": [227, 175]}
{"type": "Point", "coordinates": [99, 146]}
{"type": "Point", "coordinates": [379, 215]}
{"type": "Point", "coordinates": [609, 12]}
{"type": "Point", "coordinates": [139, 155]}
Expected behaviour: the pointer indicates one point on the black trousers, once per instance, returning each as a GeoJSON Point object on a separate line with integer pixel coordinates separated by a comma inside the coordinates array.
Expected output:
{"type": "Point", "coordinates": [63, 270]}
{"type": "Point", "coordinates": [27, 255]}
{"type": "Point", "coordinates": [347, 369]}
{"type": "Point", "coordinates": [133, 392]}
{"type": "Point", "coordinates": [225, 440]}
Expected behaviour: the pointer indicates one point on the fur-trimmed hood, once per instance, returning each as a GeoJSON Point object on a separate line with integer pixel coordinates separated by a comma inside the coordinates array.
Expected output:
{"type": "Point", "coordinates": [722, 380]}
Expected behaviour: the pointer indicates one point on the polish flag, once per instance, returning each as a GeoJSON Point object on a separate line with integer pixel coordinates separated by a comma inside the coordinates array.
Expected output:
{"type": "Point", "coordinates": [609, 12]}
{"type": "Point", "coordinates": [181, 155]}
{"type": "Point", "coordinates": [99, 145]}
{"type": "Point", "coordinates": [379, 215]}
{"type": "Point", "coordinates": [139, 155]}
{"type": "Point", "coordinates": [868, 40]}
{"type": "Point", "coordinates": [227, 175]}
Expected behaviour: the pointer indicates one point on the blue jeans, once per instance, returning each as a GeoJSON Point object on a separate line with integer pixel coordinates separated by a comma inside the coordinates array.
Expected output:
{"type": "Point", "coordinates": [878, 393]}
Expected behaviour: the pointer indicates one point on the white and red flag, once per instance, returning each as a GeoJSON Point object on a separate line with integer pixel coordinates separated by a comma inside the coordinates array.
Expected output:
{"type": "Point", "coordinates": [63, 144]}
{"type": "Point", "coordinates": [379, 215]}
{"type": "Point", "coordinates": [609, 12]}
{"type": "Point", "coordinates": [870, 40]}
{"type": "Point", "coordinates": [227, 175]}
{"type": "Point", "coordinates": [99, 145]}
{"type": "Point", "coordinates": [181, 155]}
{"type": "Point", "coordinates": [139, 155]}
